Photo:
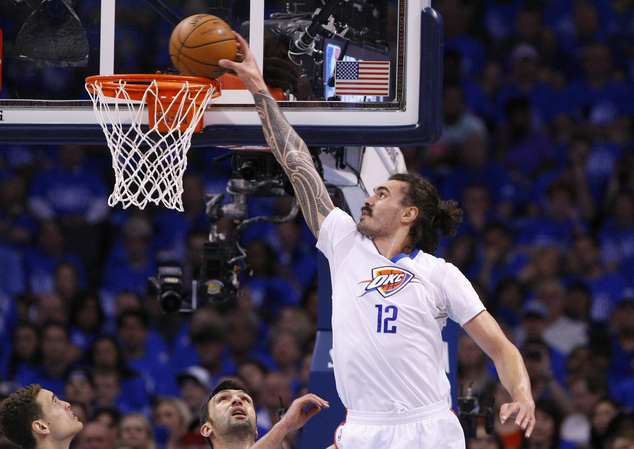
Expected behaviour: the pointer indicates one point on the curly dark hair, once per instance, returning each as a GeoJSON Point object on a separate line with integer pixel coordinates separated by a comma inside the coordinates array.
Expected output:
{"type": "Point", "coordinates": [18, 412]}
{"type": "Point", "coordinates": [436, 219]}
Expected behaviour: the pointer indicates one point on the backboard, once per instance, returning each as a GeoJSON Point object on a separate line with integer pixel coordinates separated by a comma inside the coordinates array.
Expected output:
{"type": "Point", "coordinates": [49, 47]}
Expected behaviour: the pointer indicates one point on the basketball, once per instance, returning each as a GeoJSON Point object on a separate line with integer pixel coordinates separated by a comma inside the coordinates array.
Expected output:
{"type": "Point", "coordinates": [199, 42]}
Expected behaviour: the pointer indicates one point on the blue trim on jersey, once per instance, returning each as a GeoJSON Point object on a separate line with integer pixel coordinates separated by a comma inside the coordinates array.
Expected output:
{"type": "Point", "coordinates": [401, 255]}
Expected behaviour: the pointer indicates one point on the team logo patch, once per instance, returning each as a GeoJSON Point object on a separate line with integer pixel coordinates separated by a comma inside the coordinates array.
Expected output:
{"type": "Point", "coordinates": [388, 280]}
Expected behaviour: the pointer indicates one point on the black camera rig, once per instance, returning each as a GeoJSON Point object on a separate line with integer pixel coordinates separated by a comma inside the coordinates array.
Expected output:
{"type": "Point", "coordinates": [255, 173]}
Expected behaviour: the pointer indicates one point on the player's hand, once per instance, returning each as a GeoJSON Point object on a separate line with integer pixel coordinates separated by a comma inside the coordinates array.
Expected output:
{"type": "Point", "coordinates": [524, 413]}
{"type": "Point", "coordinates": [301, 410]}
{"type": "Point", "coordinates": [245, 66]}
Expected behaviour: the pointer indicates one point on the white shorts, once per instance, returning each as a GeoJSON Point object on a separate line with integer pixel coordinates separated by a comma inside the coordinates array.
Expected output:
{"type": "Point", "coordinates": [434, 426]}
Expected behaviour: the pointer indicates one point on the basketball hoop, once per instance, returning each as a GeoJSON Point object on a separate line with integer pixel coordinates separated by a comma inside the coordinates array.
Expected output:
{"type": "Point", "coordinates": [149, 160]}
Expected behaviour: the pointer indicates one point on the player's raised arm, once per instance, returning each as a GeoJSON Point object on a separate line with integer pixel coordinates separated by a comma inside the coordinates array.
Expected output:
{"type": "Point", "coordinates": [287, 146]}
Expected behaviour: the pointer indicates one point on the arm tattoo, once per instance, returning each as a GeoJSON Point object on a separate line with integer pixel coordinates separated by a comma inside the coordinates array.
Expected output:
{"type": "Point", "coordinates": [293, 155]}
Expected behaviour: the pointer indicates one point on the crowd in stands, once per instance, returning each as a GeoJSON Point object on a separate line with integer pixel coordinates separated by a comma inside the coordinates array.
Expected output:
{"type": "Point", "coordinates": [537, 147]}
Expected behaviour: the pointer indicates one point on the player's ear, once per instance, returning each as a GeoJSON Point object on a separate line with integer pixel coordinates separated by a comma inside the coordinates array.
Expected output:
{"type": "Point", "coordinates": [410, 213]}
{"type": "Point", "coordinates": [40, 427]}
{"type": "Point", "coordinates": [206, 430]}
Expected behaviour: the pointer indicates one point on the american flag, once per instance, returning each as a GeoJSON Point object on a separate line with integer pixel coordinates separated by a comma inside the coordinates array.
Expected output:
{"type": "Point", "coordinates": [362, 78]}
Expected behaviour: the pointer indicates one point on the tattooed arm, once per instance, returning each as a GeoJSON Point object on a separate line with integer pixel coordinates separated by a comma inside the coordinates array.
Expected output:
{"type": "Point", "coordinates": [288, 148]}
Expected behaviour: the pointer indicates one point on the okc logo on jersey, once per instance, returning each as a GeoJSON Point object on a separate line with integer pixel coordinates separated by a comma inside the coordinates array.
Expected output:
{"type": "Point", "coordinates": [388, 280]}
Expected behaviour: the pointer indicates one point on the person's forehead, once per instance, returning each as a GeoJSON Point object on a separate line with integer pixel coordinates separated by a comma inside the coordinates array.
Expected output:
{"type": "Point", "coordinates": [44, 396]}
{"type": "Point", "coordinates": [391, 185]}
{"type": "Point", "coordinates": [230, 392]}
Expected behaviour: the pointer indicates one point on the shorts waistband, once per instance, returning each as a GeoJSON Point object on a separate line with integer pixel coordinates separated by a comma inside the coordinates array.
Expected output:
{"type": "Point", "coordinates": [396, 417]}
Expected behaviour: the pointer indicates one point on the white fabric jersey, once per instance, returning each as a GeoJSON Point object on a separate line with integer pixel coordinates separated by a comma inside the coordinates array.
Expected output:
{"type": "Point", "coordinates": [387, 318]}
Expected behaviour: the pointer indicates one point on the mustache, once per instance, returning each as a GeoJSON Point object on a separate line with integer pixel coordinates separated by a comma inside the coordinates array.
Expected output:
{"type": "Point", "coordinates": [367, 209]}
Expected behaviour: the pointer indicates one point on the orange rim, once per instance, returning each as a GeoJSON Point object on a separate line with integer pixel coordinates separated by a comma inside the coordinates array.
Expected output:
{"type": "Point", "coordinates": [169, 86]}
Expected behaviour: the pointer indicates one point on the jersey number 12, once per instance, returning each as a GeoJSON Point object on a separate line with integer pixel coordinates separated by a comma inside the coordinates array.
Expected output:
{"type": "Point", "coordinates": [385, 317]}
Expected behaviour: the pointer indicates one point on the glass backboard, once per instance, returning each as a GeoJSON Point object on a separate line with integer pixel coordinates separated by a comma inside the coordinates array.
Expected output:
{"type": "Point", "coordinates": [49, 47]}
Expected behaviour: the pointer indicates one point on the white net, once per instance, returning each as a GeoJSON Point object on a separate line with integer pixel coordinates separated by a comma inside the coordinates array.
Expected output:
{"type": "Point", "coordinates": [149, 160]}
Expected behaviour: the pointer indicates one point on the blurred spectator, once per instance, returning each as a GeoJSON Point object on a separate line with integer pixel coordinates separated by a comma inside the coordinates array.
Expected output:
{"type": "Point", "coordinates": [202, 319]}
{"type": "Point", "coordinates": [473, 367]}
{"type": "Point", "coordinates": [458, 124]}
{"type": "Point", "coordinates": [243, 339]}
{"type": "Point", "coordinates": [123, 387]}
{"type": "Point", "coordinates": [545, 261]}
{"type": "Point", "coordinates": [546, 434]}
{"type": "Point", "coordinates": [40, 260]}
{"type": "Point", "coordinates": [48, 307]}
{"type": "Point", "coordinates": [509, 298]}
{"type": "Point", "coordinates": [586, 389]}
{"type": "Point", "coordinates": [25, 350]}
{"type": "Point", "coordinates": [297, 255]}
{"type": "Point", "coordinates": [475, 96]}
{"type": "Point", "coordinates": [578, 304]}
{"type": "Point", "coordinates": [523, 149]}
{"type": "Point", "coordinates": [79, 388]}
{"type": "Point", "coordinates": [603, 413]}
{"type": "Point", "coordinates": [597, 102]}
{"type": "Point", "coordinates": [583, 170]}
{"type": "Point", "coordinates": [500, 260]}
{"type": "Point", "coordinates": [153, 363]}
{"type": "Point", "coordinates": [270, 291]}
{"type": "Point", "coordinates": [457, 26]}
{"type": "Point", "coordinates": [131, 262]}
{"type": "Point", "coordinates": [57, 358]}
{"type": "Point", "coordinates": [76, 196]}
{"type": "Point", "coordinates": [194, 386]}
{"type": "Point", "coordinates": [69, 191]}
{"type": "Point", "coordinates": [17, 226]}
{"type": "Point", "coordinates": [66, 282]}
{"type": "Point", "coordinates": [616, 235]}
{"type": "Point", "coordinates": [476, 166]}
{"type": "Point", "coordinates": [173, 415]}
{"type": "Point", "coordinates": [562, 332]}
{"type": "Point", "coordinates": [12, 275]}
{"type": "Point", "coordinates": [558, 223]}
{"type": "Point", "coordinates": [526, 81]}
{"type": "Point", "coordinates": [622, 347]}
{"type": "Point", "coordinates": [277, 392]}
{"type": "Point", "coordinates": [494, 395]}
{"type": "Point", "coordinates": [477, 209]}
{"type": "Point", "coordinates": [94, 435]}
{"type": "Point", "coordinates": [584, 261]}
{"type": "Point", "coordinates": [172, 227]}
{"type": "Point", "coordinates": [546, 370]}
{"type": "Point", "coordinates": [484, 440]}
{"type": "Point", "coordinates": [136, 432]}
{"type": "Point", "coordinates": [287, 355]}
{"type": "Point", "coordinates": [87, 321]}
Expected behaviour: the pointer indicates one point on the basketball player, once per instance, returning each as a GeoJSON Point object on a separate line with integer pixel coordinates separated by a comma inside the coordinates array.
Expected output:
{"type": "Point", "coordinates": [35, 418]}
{"type": "Point", "coordinates": [229, 421]}
{"type": "Point", "coordinates": [391, 298]}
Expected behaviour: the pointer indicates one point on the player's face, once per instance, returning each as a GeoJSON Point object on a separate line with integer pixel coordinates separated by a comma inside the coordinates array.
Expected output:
{"type": "Point", "coordinates": [382, 212]}
{"type": "Point", "coordinates": [58, 416]}
{"type": "Point", "coordinates": [232, 412]}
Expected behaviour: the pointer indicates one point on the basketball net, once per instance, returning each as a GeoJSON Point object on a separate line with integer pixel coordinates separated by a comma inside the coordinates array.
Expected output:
{"type": "Point", "coordinates": [149, 160]}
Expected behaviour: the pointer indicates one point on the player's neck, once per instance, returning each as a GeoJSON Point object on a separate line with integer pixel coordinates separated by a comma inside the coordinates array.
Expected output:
{"type": "Point", "coordinates": [392, 246]}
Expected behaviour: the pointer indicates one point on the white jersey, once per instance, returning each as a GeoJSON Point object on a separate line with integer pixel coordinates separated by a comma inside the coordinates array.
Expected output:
{"type": "Point", "coordinates": [387, 318]}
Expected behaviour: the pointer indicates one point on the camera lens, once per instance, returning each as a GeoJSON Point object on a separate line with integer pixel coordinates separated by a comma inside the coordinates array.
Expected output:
{"type": "Point", "coordinates": [249, 170]}
{"type": "Point", "coordinates": [170, 302]}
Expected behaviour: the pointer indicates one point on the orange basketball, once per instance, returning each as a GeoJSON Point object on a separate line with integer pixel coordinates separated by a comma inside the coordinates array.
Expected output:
{"type": "Point", "coordinates": [199, 42]}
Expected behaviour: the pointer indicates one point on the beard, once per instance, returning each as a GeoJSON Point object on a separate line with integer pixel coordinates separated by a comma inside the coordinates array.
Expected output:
{"type": "Point", "coordinates": [235, 431]}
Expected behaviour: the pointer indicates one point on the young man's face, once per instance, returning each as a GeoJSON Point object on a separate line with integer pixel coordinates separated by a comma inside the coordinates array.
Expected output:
{"type": "Point", "coordinates": [58, 418]}
{"type": "Point", "coordinates": [231, 412]}
{"type": "Point", "coordinates": [382, 211]}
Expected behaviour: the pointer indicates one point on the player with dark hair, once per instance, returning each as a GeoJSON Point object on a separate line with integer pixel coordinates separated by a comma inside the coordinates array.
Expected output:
{"type": "Point", "coordinates": [391, 298]}
{"type": "Point", "coordinates": [35, 418]}
{"type": "Point", "coordinates": [228, 418]}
